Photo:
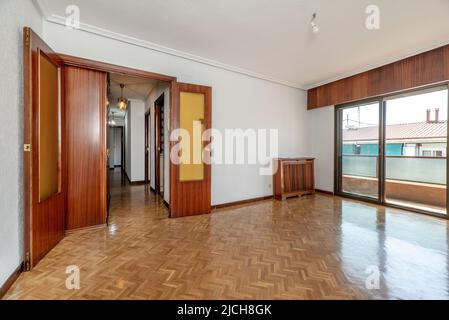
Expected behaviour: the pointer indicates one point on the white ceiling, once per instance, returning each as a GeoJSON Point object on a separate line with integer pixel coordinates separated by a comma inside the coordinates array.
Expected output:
{"type": "Point", "coordinates": [135, 88]}
{"type": "Point", "coordinates": [272, 39]}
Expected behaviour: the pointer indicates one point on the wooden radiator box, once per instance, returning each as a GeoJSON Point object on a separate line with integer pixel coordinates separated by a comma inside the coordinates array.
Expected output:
{"type": "Point", "coordinates": [293, 177]}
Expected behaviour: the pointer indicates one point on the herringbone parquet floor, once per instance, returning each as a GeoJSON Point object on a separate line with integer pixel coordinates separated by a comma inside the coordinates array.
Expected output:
{"type": "Point", "coordinates": [316, 247]}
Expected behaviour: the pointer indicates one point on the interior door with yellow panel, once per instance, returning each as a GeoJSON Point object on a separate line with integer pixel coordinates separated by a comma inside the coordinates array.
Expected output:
{"type": "Point", "coordinates": [44, 150]}
{"type": "Point", "coordinates": [190, 172]}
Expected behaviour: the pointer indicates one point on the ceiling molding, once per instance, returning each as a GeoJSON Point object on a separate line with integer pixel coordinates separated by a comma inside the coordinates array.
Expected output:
{"type": "Point", "coordinates": [57, 19]}
{"type": "Point", "coordinates": [374, 66]}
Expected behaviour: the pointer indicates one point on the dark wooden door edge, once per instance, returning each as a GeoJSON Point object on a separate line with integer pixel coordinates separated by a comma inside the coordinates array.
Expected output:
{"type": "Point", "coordinates": [147, 147]}
{"type": "Point", "coordinates": [159, 110]}
{"type": "Point", "coordinates": [157, 155]}
{"type": "Point", "coordinates": [10, 281]}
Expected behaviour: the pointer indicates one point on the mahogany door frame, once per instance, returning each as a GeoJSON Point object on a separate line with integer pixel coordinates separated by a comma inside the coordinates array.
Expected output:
{"type": "Point", "coordinates": [69, 60]}
{"type": "Point", "coordinates": [158, 104]}
{"type": "Point", "coordinates": [147, 146]}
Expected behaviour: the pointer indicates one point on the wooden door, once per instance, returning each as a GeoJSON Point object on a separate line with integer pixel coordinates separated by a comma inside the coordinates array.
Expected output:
{"type": "Point", "coordinates": [86, 127]}
{"type": "Point", "coordinates": [190, 179]}
{"type": "Point", "coordinates": [44, 159]}
{"type": "Point", "coordinates": [157, 148]}
{"type": "Point", "coordinates": [147, 147]}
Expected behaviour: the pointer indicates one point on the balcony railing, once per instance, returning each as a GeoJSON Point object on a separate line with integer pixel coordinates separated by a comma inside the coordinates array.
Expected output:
{"type": "Point", "coordinates": [418, 182]}
{"type": "Point", "coordinates": [403, 168]}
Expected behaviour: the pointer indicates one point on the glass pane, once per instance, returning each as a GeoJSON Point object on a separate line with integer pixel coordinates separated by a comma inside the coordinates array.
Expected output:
{"type": "Point", "coordinates": [191, 121]}
{"type": "Point", "coordinates": [360, 150]}
{"type": "Point", "coordinates": [48, 128]}
{"type": "Point", "coordinates": [416, 150]}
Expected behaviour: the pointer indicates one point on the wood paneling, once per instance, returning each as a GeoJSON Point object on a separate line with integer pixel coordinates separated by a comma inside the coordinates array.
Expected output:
{"type": "Point", "coordinates": [293, 177]}
{"type": "Point", "coordinates": [423, 69]}
{"type": "Point", "coordinates": [86, 147]}
{"type": "Point", "coordinates": [43, 220]}
{"type": "Point", "coordinates": [189, 197]}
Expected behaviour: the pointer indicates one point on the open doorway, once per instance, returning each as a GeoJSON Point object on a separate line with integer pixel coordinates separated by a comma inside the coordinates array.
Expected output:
{"type": "Point", "coordinates": [136, 118]}
{"type": "Point", "coordinates": [83, 98]}
{"type": "Point", "coordinates": [116, 146]}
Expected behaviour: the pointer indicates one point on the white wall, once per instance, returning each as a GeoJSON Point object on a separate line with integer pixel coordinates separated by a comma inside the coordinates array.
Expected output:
{"type": "Point", "coordinates": [238, 101]}
{"type": "Point", "coordinates": [115, 147]}
{"type": "Point", "coordinates": [111, 147]}
{"type": "Point", "coordinates": [14, 15]}
{"type": "Point", "coordinates": [118, 146]}
{"type": "Point", "coordinates": [321, 145]}
{"type": "Point", "coordinates": [135, 140]}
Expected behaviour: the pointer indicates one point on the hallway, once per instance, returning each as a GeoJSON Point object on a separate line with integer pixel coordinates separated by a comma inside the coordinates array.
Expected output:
{"type": "Point", "coordinates": [316, 247]}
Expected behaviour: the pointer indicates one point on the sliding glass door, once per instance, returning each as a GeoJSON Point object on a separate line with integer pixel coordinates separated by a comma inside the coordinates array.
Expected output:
{"type": "Point", "coordinates": [359, 150]}
{"type": "Point", "coordinates": [393, 150]}
{"type": "Point", "coordinates": [416, 150]}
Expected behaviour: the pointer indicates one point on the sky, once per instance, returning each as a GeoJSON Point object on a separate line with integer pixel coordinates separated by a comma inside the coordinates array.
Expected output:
{"type": "Point", "coordinates": [400, 110]}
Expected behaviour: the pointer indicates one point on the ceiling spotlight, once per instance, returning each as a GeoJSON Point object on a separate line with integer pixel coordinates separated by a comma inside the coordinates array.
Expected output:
{"type": "Point", "coordinates": [112, 120]}
{"type": "Point", "coordinates": [315, 28]}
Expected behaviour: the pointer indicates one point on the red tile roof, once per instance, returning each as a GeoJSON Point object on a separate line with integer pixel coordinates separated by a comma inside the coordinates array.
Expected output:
{"type": "Point", "coordinates": [407, 131]}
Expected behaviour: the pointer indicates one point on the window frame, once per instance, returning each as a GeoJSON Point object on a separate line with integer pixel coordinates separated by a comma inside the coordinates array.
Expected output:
{"type": "Point", "coordinates": [382, 148]}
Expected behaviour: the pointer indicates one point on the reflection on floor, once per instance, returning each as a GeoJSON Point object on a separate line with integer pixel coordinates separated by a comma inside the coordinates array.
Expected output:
{"type": "Point", "coordinates": [316, 247]}
{"type": "Point", "coordinates": [413, 205]}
